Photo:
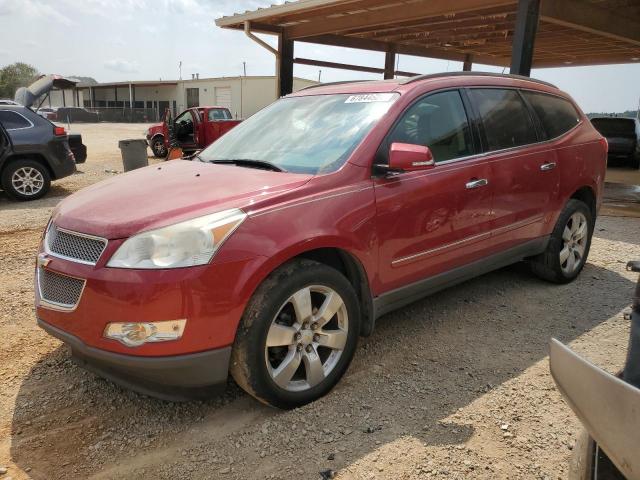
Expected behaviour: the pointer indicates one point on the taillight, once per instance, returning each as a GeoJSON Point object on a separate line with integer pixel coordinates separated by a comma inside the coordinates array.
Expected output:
{"type": "Point", "coordinates": [59, 131]}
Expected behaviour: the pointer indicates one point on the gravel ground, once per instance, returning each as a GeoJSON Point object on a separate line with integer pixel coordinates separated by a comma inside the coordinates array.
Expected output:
{"type": "Point", "coordinates": [455, 386]}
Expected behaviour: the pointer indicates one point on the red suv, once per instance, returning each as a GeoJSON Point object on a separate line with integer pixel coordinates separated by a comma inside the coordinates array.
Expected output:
{"type": "Point", "coordinates": [270, 253]}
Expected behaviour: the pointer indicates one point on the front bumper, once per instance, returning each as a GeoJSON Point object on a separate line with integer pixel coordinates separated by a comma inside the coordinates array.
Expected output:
{"type": "Point", "coordinates": [174, 378]}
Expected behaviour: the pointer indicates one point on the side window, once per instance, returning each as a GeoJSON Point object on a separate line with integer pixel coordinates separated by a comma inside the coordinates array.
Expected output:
{"type": "Point", "coordinates": [12, 120]}
{"type": "Point", "coordinates": [556, 114]}
{"type": "Point", "coordinates": [438, 121]}
{"type": "Point", "coordinates": [506, 120]}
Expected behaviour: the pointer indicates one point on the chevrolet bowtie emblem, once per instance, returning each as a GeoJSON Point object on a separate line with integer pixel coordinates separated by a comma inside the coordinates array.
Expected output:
{"type": "Point", "coordinates": [43, 260]}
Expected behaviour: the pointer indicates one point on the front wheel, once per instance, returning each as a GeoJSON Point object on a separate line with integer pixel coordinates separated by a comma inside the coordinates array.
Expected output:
{"type": "Point", "coordinates": [297, 336]}
{"type": "Point", "coordinates": [568, 246]}
{"type": "Point", "coordinates": [158, 148]}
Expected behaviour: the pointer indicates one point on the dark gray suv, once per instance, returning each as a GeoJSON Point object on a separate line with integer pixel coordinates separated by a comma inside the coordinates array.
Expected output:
{"type": "Point", "coordinates": [34, 152]}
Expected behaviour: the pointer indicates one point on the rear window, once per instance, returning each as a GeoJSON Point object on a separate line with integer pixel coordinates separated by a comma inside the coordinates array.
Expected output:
{"type": "Point", "coordinates": [614, 126]}
{"type": "Point", "coordinates": [219, 114]}
{"type": "Point", "coordinates": [506, 120]}
{"type": "Point", "coordinates": [12, 120]}
{"type": "Point", "coordinates": [556, 114]}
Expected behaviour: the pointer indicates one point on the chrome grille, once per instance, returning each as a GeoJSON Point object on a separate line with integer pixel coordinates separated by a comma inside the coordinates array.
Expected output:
{"type": "Point", "coordinates": [74, 246]}
{"type": "Point", "coordinates": [59, 290]}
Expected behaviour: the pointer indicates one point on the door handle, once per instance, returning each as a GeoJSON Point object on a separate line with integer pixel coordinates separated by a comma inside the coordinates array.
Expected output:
{"type": "Point", "coordinates": [477, 183]}
{"type": "Point", "coordinates": [548, 166]}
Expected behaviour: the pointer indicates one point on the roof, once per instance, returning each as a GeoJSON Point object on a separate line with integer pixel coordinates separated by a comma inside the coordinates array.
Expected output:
{"type": "Point", "coordinates": [570, 32]}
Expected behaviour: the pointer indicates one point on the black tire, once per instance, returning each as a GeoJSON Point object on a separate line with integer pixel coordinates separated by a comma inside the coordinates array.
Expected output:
{"type": "Point", "coordinates": [41, 179]}
{"type": "Point", "coordinates": [634, 160]}
{"type": "Point", "coordinates": [250, 356]}
{"type": "Point", "coordinates": [548, 265]}
{"type": "Point", "coordinates": [158, 148]}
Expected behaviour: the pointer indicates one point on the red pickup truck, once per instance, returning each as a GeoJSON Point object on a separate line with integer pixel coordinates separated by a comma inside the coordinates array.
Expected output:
{"type": "Point", "coordinates": [196, 128]}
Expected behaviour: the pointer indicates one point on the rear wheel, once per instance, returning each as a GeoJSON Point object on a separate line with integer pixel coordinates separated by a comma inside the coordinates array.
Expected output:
{"type": "Point", "coordinates": [158, 148]}
{"type": "Point", "coordinates": [25, 179]}
{"type": "Point", "coordinates": [568, 246]}
{"type": "Point", "coordinates": [635, 161]}
{"type": "Point", "coordinates": [297, 336]}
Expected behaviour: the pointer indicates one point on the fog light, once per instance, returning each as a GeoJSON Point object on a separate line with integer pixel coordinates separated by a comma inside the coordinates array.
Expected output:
{"type": "Point", "coordinates": [136, 334]}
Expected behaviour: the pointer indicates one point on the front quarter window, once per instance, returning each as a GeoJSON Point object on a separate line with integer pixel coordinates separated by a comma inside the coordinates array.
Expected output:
{"type": "Point", "coordinates": [308, 134]}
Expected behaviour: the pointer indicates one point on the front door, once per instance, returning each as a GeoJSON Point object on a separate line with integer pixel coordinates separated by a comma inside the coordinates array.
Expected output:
{"type": "Point", "coordinates": [432, 221]}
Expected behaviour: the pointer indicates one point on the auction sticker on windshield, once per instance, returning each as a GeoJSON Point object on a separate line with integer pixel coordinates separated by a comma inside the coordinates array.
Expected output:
{"type": "Point", "coordinates": [370, 98]}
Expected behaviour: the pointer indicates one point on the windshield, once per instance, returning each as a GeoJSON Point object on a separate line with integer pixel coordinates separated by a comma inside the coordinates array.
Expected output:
{"type": "Point", "coordinates": [311, 134]}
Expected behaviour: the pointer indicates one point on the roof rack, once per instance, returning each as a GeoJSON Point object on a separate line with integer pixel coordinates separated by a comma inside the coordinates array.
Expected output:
{"type": "Point", "coordinates": [342, 82]}
{"type": "Point", "coordinates": [474, 74]}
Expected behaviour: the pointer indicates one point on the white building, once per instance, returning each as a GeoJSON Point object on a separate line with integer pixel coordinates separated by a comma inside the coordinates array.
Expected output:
{"type": "Point", "coordinates": [243, 96]}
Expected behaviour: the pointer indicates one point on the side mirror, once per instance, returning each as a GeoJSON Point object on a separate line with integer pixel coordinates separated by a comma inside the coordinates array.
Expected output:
{"type": "Point", "coordinates": [406, 157]}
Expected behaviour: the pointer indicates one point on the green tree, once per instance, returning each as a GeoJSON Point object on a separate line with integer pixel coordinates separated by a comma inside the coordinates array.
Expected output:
{"type": "Point", "coordinates": [15, 76]}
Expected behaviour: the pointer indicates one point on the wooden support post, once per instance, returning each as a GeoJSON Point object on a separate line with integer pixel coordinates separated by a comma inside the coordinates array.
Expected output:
{"type": "Point", "coordinates": [285, 65]}
{"type": "Point", "coordinates": [524, 36]}
{"type": "Point", "coordinates": [468, 63]}
{"type": "Point", "coordinates": [389, 64]}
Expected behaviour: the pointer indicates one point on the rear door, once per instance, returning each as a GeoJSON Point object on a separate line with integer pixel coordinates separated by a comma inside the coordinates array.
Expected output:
{"type": "Point", "coordinates": [523, 171]}
{"type": "Point", "coordinates": [432, 221]}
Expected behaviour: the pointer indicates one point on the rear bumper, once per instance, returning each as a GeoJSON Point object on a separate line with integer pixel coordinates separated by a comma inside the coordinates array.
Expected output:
{"type": "Point", "coordinates": [174, 378]}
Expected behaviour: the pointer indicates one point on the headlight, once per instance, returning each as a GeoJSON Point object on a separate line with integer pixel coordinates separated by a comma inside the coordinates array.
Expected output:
{"type": "Point", "coordinates": [184, 244]}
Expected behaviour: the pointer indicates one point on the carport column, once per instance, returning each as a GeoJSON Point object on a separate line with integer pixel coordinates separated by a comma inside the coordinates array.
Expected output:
{"type": "Point", "coordinates": [91, 96]}
{"type": "Point", "coordinates": [524, 36]}
{"type": "Point", "coordinates": [390, 63]}
{"type": "Point", "coordinates": [468, 63]}
{"type": "Point", "coordinates": [285, 65]}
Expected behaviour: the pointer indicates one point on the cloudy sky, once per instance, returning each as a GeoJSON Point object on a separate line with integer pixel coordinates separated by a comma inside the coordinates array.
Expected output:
{"type": "Point", "coordinates": [119, 40]}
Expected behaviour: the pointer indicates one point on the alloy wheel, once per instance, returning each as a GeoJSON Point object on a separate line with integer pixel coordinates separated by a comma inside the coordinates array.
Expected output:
{"type": "Point", "coordinates": [27, 181]}
{"type": "Point", "coordinates": [574, 238]}
{"type": "Point", "coordinates": [306, 338]}
{"type": "Point", "coordinates": [159, 148]}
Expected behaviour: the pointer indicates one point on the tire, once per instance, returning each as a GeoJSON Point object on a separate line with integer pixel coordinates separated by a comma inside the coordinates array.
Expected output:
{"type": "Point", "coordinates": [158, 148]}
{"type": "Point", "coordinates": [297, 368]}
{"type": "Point", "coordinates": [566, 240]}
{"type": "Point", "coordinates": [635, 161]}
{"type": "Point", "coordinates": [36, 179]}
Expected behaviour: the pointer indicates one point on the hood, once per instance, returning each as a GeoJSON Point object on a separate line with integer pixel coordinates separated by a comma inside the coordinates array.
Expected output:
{"type": "Point", "coordinates": [27, 96]}
{"type": "Point", "coordinates": [168, 193]}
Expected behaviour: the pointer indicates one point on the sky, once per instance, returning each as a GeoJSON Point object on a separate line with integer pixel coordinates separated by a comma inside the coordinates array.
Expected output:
{"type": "Point", "coordinates": [120, 40]}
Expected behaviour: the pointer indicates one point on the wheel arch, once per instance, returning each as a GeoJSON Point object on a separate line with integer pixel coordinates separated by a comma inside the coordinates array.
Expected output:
{"type": "Point", "coordinates": [28, 156]}
{"type": "Point", "coordinates": [587, 195]}
{"type": "Point", "coordinates": [339, 257]}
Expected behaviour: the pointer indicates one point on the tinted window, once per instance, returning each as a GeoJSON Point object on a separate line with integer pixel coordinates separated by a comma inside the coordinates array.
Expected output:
{"type": "Point", "coordinates": [556, 114]}
{"type": "Point", "coordinates": [11, 120]}
{"type": "Point", "coordinates": [439, 122]}
{"type": "Point", "coordinates": [506, 120]}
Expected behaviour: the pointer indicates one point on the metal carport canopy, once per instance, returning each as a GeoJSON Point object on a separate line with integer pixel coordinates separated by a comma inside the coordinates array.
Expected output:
{"type": "Point", "coordinates": [517, 33]}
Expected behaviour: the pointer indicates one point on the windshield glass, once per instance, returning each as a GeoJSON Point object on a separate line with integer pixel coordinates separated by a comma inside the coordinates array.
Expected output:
{"type": "Point", "coordinates": [311, 134]}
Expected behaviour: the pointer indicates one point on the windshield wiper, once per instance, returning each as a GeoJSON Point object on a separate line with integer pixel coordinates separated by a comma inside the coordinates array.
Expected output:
{"type": "Point", "coordinates": [247, 162]}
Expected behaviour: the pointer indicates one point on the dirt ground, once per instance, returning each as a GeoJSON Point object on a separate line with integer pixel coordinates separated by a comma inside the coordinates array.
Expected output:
{"type": "Point", "coordinates": [456, 385]}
